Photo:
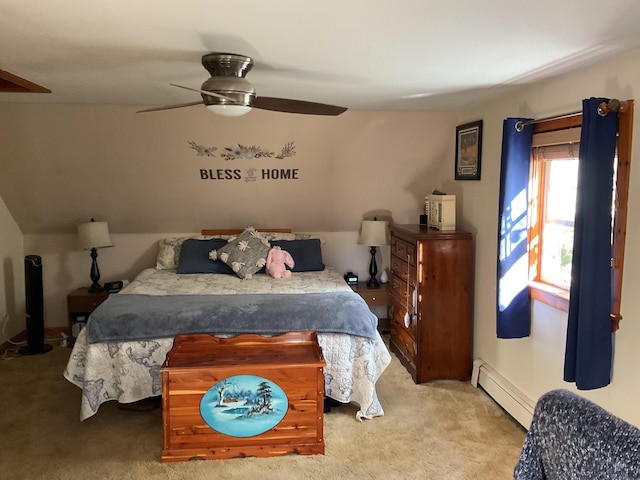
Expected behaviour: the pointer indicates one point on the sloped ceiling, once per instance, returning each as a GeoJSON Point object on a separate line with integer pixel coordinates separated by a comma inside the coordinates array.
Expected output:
{"type": "Point", "coordinates": [388, 54]}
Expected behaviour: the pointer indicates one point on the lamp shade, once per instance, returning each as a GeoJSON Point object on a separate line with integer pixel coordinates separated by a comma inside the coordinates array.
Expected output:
{"type": "Point", "coordinates": [373, 233]}
{"type": "Point", "coordinates": [94, 235]}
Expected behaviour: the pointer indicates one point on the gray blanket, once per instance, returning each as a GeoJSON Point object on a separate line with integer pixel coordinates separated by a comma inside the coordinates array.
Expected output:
{"type": "Point", "coordinates": [129, 317]}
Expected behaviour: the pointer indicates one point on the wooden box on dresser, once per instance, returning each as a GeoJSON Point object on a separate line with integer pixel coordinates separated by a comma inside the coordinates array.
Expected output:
{"type": "Point", "coordinates": [431, 281]}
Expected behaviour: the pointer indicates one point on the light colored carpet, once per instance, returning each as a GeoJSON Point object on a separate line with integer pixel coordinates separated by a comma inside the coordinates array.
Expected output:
{"type": "Point", "coordinates": [441, 430]}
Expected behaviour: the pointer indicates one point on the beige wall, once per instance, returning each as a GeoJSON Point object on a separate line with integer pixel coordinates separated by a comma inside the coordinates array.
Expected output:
{"type": "Point", "coordinates": [12, 278]}
{"type": "Point", "coordinates": [63, 164]}
{"type": "Point", "coordinates": [535, 364]}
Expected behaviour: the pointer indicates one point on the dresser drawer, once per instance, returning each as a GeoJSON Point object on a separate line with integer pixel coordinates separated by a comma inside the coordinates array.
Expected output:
{"type": "Point", "coordinates": [404, 343]}
{"type": "Point", "coordinates": [85, 303]}
{"type": "Point", "coordinates": [397, 317]}
{"type": "Point", "coordinates": [399, 289]}
{"type": "Point", "coordinates": [403, 270]}
{"type": "Point", "coordinates": [375, 297]}
{"type": "Point", "coordinates": [404, 250]}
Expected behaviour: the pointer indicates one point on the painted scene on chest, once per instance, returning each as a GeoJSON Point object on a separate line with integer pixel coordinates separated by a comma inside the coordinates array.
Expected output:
{"type": "Point", "coordinates": [243, 405]}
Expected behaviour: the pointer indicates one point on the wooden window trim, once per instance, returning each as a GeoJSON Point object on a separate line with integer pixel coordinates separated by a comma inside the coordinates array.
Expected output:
{"type": "Point", "coordinates": [550, 295]}
{"type": "Point", "coordinates": [625, 134]}
{"type": "Point", "coordinates": [559, 298]}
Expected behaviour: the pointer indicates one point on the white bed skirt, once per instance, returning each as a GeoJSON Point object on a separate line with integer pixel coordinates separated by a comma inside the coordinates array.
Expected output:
{"type": "Point", "coordinates": [130, 371]}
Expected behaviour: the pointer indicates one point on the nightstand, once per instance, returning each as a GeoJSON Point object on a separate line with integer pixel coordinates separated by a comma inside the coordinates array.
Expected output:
{"type": "Point", "coordinates": [376, 297]}
{"type": "Point", "coordinates": [80, 304]}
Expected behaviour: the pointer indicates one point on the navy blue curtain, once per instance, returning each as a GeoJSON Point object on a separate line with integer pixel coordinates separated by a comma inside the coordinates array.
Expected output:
{"type": "Point", "coordinates": [588, 354]}
{"type": "Point", "coordinates": [513, 310]}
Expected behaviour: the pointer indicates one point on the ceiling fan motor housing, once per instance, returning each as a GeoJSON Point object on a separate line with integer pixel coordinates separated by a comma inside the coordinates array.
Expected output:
{"type": "Point", "coordinates": [228, 72]}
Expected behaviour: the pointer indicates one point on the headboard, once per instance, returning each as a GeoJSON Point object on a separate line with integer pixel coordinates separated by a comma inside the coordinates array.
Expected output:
{"type": "Point", "coordinates": [237, 231]}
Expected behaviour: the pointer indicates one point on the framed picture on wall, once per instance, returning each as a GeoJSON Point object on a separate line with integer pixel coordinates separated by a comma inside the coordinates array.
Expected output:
{"type": "Point", "coordinates": [468, 150]}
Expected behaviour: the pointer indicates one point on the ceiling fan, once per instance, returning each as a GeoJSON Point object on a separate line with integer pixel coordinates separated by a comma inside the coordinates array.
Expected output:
{"type": "Point", "coordinates": [229, 93]}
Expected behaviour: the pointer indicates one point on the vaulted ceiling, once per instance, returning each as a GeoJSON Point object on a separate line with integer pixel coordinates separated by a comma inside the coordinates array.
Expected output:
{"type": "Point", "coordinates": [387, 54]}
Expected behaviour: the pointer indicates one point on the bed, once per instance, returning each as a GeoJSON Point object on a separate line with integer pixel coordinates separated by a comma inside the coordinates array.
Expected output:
{"type": "Point", "coordinates": [119, 354]}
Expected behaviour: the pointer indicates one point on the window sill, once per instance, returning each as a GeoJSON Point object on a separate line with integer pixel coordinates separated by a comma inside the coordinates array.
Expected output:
{"type": "Point", "coordinates": [550, 295]}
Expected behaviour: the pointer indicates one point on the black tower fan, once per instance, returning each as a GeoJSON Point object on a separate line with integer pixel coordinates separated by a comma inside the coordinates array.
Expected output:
{"type": "Point", "coordinates": [34, 307]}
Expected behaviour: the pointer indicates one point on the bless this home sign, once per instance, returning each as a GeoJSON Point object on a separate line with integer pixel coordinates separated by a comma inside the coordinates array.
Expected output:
{"type": "Point", "coordinates": [253, 173]}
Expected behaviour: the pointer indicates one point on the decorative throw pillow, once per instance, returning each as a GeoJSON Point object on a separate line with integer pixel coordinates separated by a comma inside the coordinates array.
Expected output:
{"type": "Point", "coordinates": [307, 254]}
{"type": "Point", "coordinates": [169, 253]}
{"type": "Point", "coordinates": [194, 257]}
{"type": "Point", "coordinates": [245, 254]}
{"type": "Point", "coordinates": [270, 236]}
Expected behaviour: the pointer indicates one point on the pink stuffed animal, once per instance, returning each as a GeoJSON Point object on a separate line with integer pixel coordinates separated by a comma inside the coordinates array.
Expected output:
{"type": "Point", "coordinates": [276, 261]}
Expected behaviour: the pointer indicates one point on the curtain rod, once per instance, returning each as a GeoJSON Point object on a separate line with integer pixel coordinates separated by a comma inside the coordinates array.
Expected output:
{"type": "Point", "coordinates": [613, 105]}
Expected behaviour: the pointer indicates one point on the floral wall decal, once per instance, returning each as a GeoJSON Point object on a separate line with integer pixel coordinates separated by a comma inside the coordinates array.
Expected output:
{"type": "Point", "coordinates": [201, 150]}
{"type": "Point", "coordinates": [243, 151]}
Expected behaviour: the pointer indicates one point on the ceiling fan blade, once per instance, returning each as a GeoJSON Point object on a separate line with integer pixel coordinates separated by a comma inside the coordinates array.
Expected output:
{"type": "Point", "coordinates": [296, 106]}
{"type": "Point", "coordinates": [206, 92]}
{"type": "Point", "coordinates": [169, 107]}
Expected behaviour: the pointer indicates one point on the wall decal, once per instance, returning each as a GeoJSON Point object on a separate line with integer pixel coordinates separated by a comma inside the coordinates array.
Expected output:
{"type": "Point", "coordinates": [243, 152]}
{"type": "Point", "coordinates": [203, 151]}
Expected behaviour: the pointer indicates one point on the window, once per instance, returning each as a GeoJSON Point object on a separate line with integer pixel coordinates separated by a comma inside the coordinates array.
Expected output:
{"type": "Point", "coordinates": [555, 177]}
{"type": "Point", "coordinates": [553, 181]}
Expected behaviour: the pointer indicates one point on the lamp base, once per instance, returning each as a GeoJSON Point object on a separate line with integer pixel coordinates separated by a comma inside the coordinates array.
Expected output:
{"type": "Point", "coordinates": [373, 270]}
{"type": "Point", "coordinates": [373, 283]}
{"type": "Point", "coordinates": [95, 272]}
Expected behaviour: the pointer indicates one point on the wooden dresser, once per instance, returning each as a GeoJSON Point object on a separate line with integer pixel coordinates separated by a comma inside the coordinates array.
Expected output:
{"type": "Point", "coordinates": [431, 281]}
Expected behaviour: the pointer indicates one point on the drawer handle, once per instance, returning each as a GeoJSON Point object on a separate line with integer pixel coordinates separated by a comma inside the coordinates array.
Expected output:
{"type": "Point", "coordinates": [373, 299]}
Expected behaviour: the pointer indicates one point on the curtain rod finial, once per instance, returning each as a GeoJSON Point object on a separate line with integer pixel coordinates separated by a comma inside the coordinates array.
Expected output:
{"type": "Point", "coordinates": [614, 105]}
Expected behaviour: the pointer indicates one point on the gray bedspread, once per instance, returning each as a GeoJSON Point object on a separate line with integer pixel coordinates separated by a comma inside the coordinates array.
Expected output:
{"type": "Point", "coordinates": [142, 317]}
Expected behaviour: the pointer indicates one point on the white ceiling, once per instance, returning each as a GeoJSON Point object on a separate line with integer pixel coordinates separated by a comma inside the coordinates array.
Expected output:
{"type": "Point", "coordinates": [378, 54]}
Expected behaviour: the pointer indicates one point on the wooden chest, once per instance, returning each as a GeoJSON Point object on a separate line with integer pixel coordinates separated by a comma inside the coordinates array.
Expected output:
{"type": "Point", "coordinates": [243, 396]}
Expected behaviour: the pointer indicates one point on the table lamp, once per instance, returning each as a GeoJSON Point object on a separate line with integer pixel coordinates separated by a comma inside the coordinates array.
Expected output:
{"type": "Point", "coordinates": [373, 233]}
{"type": "Point", "coordinates": [91, 236]}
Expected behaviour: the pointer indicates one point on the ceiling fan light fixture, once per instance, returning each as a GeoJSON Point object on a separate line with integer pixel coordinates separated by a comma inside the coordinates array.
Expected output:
{"type": "Point", "coordinates": [228, 93]}
{"type": "Point", "coordinates": [228, 110]}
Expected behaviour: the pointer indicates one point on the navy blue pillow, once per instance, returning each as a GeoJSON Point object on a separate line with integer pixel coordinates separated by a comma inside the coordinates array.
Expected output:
{"type": "Point", "coordinates": [194, 257]}
{"type": "Point", "coordinates": [307, 254]}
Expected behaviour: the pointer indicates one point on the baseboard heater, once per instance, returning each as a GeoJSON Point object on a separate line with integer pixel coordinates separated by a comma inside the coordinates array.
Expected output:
{"type": "Point", "coordinates": [517, 404]}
